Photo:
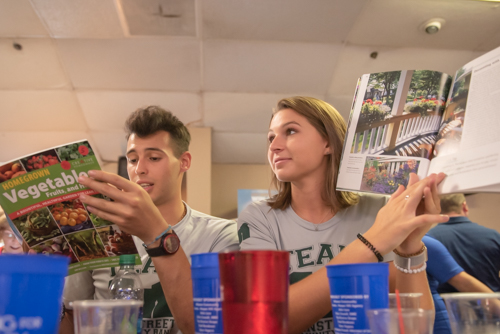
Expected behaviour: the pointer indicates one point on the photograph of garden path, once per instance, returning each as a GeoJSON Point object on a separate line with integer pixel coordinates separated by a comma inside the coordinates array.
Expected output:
{"type": "Point", "coordinates": [401, 113]}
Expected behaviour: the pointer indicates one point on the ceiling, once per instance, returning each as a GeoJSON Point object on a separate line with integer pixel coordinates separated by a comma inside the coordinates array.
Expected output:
{"type": "Point", "coordinates": [84, 65]}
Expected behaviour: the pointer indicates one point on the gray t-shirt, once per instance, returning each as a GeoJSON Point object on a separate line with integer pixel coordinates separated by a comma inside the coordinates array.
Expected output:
{"type": "Point", "coordinates": [198, 232]}
{"type": "Point", "coordinates": [311, 246]}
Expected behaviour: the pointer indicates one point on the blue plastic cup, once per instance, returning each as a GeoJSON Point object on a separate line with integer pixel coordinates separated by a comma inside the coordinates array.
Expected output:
{"type": "Point", "coordinates": [354, 289]}
{"type": "Point", "coordinates": [31, 288]}
{"type": "Point", "coordinates": [206, 293]}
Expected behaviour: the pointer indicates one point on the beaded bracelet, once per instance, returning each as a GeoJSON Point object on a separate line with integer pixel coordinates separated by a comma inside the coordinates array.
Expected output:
{"type": "Point", "coordinates": [411, 271]}
{"type": "Point", "coordinates": [410, 255]}
{"type": "Point", "coordinates": [373, 249]}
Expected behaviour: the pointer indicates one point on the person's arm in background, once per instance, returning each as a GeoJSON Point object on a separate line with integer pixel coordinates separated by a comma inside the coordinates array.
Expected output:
{"type": "Point", "coordinates": [76, 287]}
{"type": "Point", "coordinates": [464, 282]}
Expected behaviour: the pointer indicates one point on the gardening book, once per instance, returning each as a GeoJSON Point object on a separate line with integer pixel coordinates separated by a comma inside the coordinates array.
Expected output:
{"type": "Point", "coordinates": [424, 122]}
{"type": "Point", "coordinates": [39, 195]}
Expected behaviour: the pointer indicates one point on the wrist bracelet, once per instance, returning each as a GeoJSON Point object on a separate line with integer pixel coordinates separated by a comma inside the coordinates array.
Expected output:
{"type": "Point", "coordinates": [410, 255]}
{"type": "Point", "coordinates": [411, 271]}
{"type": "Point", "coordinates": [379, 256]}
{"type": "Point", "coordinates": [158, 237]}
{"type": "Point", "coordinates": [409, 262]}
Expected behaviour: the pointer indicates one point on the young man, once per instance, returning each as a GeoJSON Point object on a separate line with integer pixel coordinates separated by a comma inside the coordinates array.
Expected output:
{"type": "Point", "coordinates": [146, 206]}
{"type": "Point", "coordinates": [475, 248]}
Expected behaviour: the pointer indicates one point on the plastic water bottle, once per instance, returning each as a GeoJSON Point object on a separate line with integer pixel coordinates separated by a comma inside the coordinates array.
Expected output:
{"type": "Point", "coordinates": [127, 284]}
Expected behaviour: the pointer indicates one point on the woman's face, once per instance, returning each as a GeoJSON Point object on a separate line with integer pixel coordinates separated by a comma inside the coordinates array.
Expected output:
{"type": "Point", "coordinates": [12, 246]}
{"type": "Point", "coordinates": [296, 149]}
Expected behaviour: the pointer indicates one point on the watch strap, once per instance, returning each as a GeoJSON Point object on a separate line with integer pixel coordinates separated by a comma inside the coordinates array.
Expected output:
{"type": "Point", "coordinates": [161, 250]}
{"type": "Point", "coordinates": [409, 262]}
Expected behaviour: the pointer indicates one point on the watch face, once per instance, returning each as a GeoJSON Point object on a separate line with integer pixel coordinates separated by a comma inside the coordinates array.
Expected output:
{"type": "Point", "coordinates": [171, 243]}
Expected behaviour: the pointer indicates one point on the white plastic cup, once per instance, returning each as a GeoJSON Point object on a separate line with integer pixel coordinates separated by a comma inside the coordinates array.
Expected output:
{"type": "Point", "coordinates": [408, 300]}
{"type": "Point", "coordinates": [106, 316]}
{"type": "Point", "coordinates": [472, 313]}
{"type": "Point", "coordinates": [414, 321]}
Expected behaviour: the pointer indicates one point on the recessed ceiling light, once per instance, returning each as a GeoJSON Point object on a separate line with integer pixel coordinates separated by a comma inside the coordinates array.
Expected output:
{"type": "Point", "coordinates": [432, 26]}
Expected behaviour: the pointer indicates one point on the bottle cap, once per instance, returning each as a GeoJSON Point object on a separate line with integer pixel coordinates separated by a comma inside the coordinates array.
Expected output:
{"type": "Point", "coordinates": [127, 259]}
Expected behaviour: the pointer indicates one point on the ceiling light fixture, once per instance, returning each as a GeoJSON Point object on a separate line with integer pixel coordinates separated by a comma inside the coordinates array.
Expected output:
{"type": "Point", "coordinates": [432, 26]}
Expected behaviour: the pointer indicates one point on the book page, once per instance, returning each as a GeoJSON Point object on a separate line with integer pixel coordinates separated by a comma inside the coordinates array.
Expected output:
{"type": "Point", "coordinates": [472, 107]}
{"type": "Point", "coordinates": [39, 195]}
{"type": "Point", "coordinates": [468, 147]}
{"type": "Point", "coordinates": [392, 129]}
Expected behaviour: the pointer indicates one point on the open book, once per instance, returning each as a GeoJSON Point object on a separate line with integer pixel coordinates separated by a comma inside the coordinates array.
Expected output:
{"type": "Point", "coordinates": [39, 195]}
{"type": "Point", "coordinates": [424, 122]}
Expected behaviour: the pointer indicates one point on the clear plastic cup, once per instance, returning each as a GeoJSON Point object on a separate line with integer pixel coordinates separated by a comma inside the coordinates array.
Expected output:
{"type": "Point", "coordinates": [408, 300]}
{"type": "Point", "coordinates": [114, 316]}
{"type": "Point", "coordinates": [388, 321]}
{"type": "Point", "coordinates": [473, 312]}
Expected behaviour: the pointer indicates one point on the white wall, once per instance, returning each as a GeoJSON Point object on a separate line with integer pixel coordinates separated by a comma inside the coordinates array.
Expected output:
{"type": "Point", "coordinates": [484, 209]}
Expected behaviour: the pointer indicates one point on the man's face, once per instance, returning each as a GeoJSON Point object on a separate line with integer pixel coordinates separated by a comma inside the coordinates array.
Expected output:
{"type": "Point", "coordinates": [153, 165]}
{"type": "Point", "coordinates": [12, 246]}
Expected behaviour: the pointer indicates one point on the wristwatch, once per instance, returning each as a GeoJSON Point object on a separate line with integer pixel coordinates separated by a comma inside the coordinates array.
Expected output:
{"type": "Point", "coordinates": [169, 245]}
{"type": "Point", "coordinates": [413, 261]}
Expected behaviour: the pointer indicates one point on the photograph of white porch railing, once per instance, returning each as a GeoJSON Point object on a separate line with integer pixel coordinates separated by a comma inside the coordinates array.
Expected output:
{"type": "Point", "coordinates": [404, 135]}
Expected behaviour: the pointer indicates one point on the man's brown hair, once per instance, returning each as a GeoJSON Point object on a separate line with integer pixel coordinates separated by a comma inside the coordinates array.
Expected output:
{"type": "Point", "coordinates": [331, 126]}
{"type": "Point", "coordinates": [452, 203]}
{"type": "Point", "coordinates": [147, 121]}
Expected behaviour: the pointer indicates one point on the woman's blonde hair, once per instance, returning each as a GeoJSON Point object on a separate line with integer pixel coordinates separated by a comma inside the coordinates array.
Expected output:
{"type": "Point", "coordinates": [331, 126]}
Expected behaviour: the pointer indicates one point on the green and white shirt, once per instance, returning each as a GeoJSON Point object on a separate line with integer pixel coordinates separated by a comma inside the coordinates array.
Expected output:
{"type": "Point", "coordinates": [311, 246]}
{"type": "Point", "coordinates": [198, 232]}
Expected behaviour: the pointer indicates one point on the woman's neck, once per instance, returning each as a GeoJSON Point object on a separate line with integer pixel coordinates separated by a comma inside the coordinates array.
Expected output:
{"type": "Point", "coordinates": [308, 202]}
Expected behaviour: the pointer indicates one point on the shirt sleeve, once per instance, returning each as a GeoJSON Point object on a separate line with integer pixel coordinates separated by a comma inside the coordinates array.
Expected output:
{"type": "Point", "coordinates": [227, 240]}
{"type": "Point", "coordinates": [440, 263]}
{"type": "Point", "coordinates": [78, 287]}
{"type": "Point", "coordinates": [254, 230]}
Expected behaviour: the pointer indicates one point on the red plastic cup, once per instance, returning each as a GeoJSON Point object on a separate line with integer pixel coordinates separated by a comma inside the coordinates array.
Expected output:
{"type": "Point", "coordinates": [254, 291]}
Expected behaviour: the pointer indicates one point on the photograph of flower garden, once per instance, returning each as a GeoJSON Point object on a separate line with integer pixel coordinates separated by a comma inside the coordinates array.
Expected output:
{"type": "Point", "coordinates": [400, 113]}
{"type": "Point", "coordinates": [383, 175]}
{"type": "Point", "coordinates": [450, 132]}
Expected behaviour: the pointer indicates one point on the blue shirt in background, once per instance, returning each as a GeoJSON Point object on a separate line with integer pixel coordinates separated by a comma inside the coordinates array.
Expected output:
{"type": "Point", "coordinates": [440, 268]}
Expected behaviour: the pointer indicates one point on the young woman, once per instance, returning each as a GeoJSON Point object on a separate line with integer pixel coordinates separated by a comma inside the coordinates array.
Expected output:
{"type": "Point", "coordinates": [319, 225]}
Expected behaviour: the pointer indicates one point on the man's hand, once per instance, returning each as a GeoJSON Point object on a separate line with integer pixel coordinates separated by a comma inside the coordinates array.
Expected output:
{"type": "Point", "coordinates": [131, 209]}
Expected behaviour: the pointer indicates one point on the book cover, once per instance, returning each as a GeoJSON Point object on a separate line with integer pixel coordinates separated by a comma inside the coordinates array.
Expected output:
{"type": "Point", "coordinates": [39, 195]}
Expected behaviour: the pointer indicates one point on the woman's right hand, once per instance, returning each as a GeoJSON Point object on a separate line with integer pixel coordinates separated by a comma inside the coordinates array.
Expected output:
{"type": "Point", "coordinates": [398, 222]}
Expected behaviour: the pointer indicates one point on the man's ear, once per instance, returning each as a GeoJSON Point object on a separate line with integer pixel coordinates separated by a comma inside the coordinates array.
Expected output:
{"type": "Point", "coordinates": [465, 209]}
{"type": "Point", "coordinates": [185, 160]}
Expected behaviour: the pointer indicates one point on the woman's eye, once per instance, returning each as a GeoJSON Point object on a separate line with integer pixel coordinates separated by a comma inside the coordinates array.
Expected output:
{"type": "Point", "coordinates": [132, 161]}
{"type": "Point", "coordinates": [270, 139]}
{"type": "Point", "coordinates": [154, 159]}
{"type": "Point", "coordinates": [290, 131]}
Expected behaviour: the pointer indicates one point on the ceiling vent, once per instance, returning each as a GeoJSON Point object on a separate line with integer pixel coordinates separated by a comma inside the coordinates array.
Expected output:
{"type": "Point", "coordinates": [160, 17]}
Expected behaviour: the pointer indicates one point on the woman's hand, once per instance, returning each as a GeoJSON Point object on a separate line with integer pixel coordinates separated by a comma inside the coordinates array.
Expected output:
{"type": "Point", "coordinates": [430, 204]}
{"type": "Point", "coordinates": [397, 223]}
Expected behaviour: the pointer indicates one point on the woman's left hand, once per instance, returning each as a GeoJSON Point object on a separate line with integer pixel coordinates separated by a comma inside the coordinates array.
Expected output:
{"type": "Point", "coordinates": [430, 204]}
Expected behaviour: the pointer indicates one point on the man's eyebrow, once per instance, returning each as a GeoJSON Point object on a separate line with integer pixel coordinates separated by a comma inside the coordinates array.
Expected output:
{"type": "Point", "coordinates": [146, 149]}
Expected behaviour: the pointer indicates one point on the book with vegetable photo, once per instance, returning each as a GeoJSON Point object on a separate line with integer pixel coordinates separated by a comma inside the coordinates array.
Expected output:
{"type": "Point", "coordinates": [423, 122]}
{"type": "Point", "coordinates": [39, 195]}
